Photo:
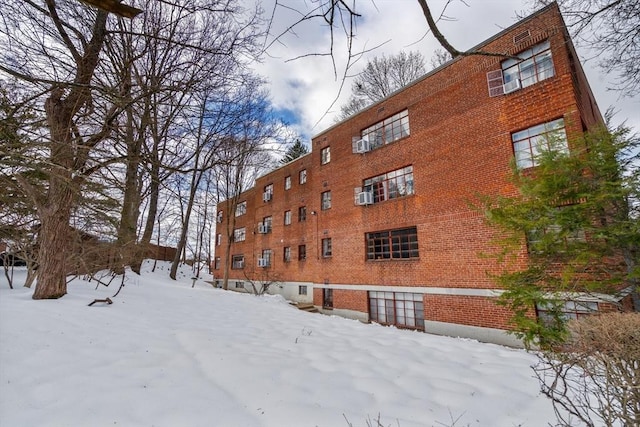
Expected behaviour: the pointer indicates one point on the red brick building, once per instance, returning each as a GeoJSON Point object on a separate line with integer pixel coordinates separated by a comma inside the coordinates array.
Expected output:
{"type": "Point", "coordinates": [375, 223]}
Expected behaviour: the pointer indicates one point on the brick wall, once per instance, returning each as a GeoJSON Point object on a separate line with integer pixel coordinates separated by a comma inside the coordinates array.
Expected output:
{"type": "Point", "coordinates": [459, 146]}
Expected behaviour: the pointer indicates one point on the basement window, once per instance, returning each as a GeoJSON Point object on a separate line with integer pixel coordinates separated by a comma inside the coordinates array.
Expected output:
{"type": "Point", "coordinates": [564, 310]}
{"type": "Point", "coordinates": [402, 309]}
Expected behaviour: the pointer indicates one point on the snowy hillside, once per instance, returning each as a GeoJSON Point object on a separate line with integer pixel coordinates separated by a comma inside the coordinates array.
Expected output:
{"type": "Point", "coordinates": [166, 354]}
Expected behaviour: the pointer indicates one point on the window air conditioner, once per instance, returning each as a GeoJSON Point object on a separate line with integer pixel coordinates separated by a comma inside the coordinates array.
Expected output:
{"type": "Point", "coordinates": [266, 196]}
{"type": "Point", "coordinates": [362, 145]}
{"type": "Point", "coordinates": [512, 86]}
{"type": "Point", "coordinates": [365, 198]}
{"type": "Point", "coordinates": [263, 262]}
{"type": "Point", "coordinates": [262, 228]}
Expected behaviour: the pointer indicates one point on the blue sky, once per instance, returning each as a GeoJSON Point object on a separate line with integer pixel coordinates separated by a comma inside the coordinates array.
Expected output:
{"type": "Point", "coordinates": [307, 93]}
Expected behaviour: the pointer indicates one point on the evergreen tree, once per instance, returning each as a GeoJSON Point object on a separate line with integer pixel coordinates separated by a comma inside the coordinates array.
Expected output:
{"type": "Point", "coordinates": [298, 149]}
{"type": "Point", "coordinates": [580, 215]}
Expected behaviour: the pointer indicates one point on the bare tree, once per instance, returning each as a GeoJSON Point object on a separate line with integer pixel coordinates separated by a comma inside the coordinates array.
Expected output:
{"type": "Point", "coordinates": [381, 77]}
{"type": "Point", "coordinates": [231, 115]}
{"type": "Point", "coordinates": [341, 18]}
{"type": "Point", "coordinates": [240, 163]}
{"type": "Point", "coordinates": [594, 379]}
{"type": "Point", "coordinates": [610, 30]}
{"type": "Point", "coordinates": [260, 281]}
{"type": "Point", "coordinates": [55, 49]}
{"type": "Point", "coordinates": [439, 57]}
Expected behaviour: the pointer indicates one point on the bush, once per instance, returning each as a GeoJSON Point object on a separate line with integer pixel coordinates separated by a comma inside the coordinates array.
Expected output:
{"type": "Point", "coordinates": [594, 378]}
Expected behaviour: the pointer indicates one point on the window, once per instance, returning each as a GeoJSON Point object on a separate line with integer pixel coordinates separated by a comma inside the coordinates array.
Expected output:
{"type": "Point", "coordinates": [268, 193]}
{"type": "Point", "coordinates": [218, 239]}
{"type": "Point", "coordinates": [219, 217]}
{"type": "Point", "coordinates": [393, 244]}
{"type": "Point", "coordinates": [554, 237]}
{"type": "Point", "coordinates": [529, 143]}
{"type": "Point", "coordinates": [287, 183]}
{"type": "Point", "coordinates": [302, 213]}
{"type": "Point", "coordinates": [216, 263]}
{"type": "Point", "coordinates": [326, 248]}
{"type": "Point", "coordinates": [549, 312]}
{"type": "Point", "coordinates": [390, 185]}
{"type": "Point", "coordinates": [239, 234]}
{"type": "Point", "coordinates": [287, 217]}
{"type": "Point", "coordinates": [302, 290]}
{"type": "Point", "coordinates": [239, 285]}
{"type": "Point", "coordinates": [237, 262]}
{"type": "Point", "coordinates": [326, 200]}
{"type": "Point", "coordinates": [325, 155]}
{"type": "Point", "coordinates": [388, 130]}
{"type": "Point", "coordinates": [267, 222]}
{"type": "Point", "coordinates": [402, 309]}
{"type": "Point", "coordinates": [302, 252]}
{"type": "Point", "coordinates": [286, 255]}
{"type": "Point", "coordinates": [266, 256]}
{"type": "Point", "coordinates": [241, 208]}
{"type": "Point", "coordinates": [534, 65]}
{"type": "Point", "coordinates": [303, 176]}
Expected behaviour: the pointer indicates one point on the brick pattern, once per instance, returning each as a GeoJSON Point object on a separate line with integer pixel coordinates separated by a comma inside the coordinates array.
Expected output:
{"type": "Point", "coordinates": [467, 310]}
{"type": "Point", "coordinates": [459, 145]}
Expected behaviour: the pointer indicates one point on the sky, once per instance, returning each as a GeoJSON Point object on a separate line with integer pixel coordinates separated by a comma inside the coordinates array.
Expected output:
{"type": "Point", "coordinates": [167, 354]}
{"type": "Point", "coordinates": [303, 90]}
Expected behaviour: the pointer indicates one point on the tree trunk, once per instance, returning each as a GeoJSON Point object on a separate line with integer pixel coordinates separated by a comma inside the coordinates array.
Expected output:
{"type": "Point", "coordinates": [55, 213]}
{"type": "Point", "coordinates": [55, 250]}
{"type": "Point", "coordinates": [195, 181]}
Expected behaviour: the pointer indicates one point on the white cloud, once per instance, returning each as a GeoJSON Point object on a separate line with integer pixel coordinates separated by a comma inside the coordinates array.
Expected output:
{"type": "Point", "coordinates": [308, 85]}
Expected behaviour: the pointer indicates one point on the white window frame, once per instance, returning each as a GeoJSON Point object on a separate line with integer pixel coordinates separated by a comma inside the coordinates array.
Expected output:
{"type": "Point", "coordinates": [534, 65]}
{"type": "Point", "coordinates": [267, 254]}
{"type": "Point", "coordinates": [239, 234]}
{"type": "Point", "coordinates": [241, 208]}
{"type": "Point", "coordinates": [237, 262]}
{"type": "Point", "coordinates": [325, 200]}
{"type": "Point", "coordinates": [325, 155]}
{"type": "Point", "coordinates": [391, 185]}
{"type": "Point", "coordinates": [388, 130]}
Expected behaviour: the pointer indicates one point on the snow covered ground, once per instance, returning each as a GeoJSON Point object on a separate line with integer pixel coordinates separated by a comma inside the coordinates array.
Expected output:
{"type": "Point", "coordinates": [166, 354]}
